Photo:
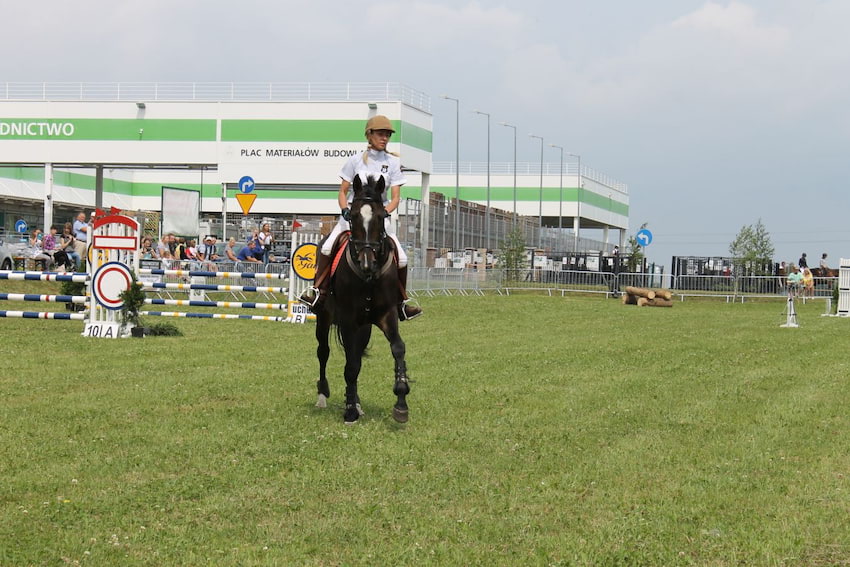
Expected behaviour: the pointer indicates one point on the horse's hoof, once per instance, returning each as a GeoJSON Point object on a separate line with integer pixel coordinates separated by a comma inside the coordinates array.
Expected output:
{"type": "Point", "coordinates": [322, 401]}
{"type": "Point", "coordinates": [352, 414]}
{"type": "Point", "coordinates": [400, 415]}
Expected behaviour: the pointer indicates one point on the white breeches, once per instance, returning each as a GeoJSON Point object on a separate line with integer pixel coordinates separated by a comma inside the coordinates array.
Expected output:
{"type": "Point", "coordinates": [342, 225]}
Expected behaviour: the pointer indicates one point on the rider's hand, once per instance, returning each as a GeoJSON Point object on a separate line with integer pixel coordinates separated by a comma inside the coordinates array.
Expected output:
{"type": "Point", "coordinates": [346, 214]}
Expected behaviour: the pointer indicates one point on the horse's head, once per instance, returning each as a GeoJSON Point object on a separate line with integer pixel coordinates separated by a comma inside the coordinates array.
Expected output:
{"type": "Point", "coordinates": [367, 223]}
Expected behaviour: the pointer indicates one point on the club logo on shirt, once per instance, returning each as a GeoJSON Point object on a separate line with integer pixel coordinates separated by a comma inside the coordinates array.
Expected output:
{"type": "Point", "coordinates": [385, 168]}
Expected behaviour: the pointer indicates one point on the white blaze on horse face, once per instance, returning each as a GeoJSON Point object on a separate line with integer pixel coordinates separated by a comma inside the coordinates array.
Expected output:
{"type": "Point", "coordinates": [366, 216]}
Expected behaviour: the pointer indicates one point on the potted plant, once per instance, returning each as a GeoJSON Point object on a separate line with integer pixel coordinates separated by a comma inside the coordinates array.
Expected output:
{"type": "Point", "coordinates": [133, 298]}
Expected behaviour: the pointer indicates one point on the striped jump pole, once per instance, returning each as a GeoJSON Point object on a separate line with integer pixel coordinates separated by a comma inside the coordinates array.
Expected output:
{"type": "Point", "coordinates": [193, 315]}
{"type": "Point", "coordinates": [43, 298]}
{"type": "Point", "coordinates": [42, 315]}
{"type": "Point", "coordinates": [206, 274]}
{"type": "Point", "coordinates": [214, 287]}
{"type": "Point", "coordinates": [227, 304]}
{"type": "Point", "coordinates": [43, 276]}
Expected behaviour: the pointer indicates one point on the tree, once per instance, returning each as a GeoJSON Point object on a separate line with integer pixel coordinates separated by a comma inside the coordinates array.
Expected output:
{"type": "Point", "coordinates": [513, 253]}
{"type": "Point", "coordinates": [635, 252]}
{"type": "Point", "coordinates": [753, 250]}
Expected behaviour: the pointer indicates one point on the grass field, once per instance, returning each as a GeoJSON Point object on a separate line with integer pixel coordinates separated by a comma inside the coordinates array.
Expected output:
{"type": "Point", "coordinates": [543, 431]}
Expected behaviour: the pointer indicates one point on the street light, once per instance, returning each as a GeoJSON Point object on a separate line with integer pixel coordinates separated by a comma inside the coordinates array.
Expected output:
{"type": "Point", "coordinates": [457, 172]}
{"type": "Point", "coordinates": [487, 217]}
{"type": "Point", "coordinates": [560, 190]}
{"type": "Point", "coordinates": [577, 226]}
{"type": "Point", "coordinates": [514, 128]}
{"type": "Point", "coordinates": [540, 211]}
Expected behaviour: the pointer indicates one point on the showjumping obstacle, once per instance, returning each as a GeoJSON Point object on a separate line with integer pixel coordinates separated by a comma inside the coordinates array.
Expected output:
{"type": "Point", "coordinates": [112, 261]}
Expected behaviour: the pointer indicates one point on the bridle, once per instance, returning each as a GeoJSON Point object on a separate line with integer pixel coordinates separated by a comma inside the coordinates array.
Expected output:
{"type": "Point", "coordinates": [364, 255]}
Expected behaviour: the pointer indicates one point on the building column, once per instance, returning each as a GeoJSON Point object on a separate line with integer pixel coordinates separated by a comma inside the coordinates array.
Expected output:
{"type": "Point", "coordinates": [98, 186]}
{"type": "Point", "coordinates": [48, 197]}
{"type": "Point", "coordinates": [424, 214]}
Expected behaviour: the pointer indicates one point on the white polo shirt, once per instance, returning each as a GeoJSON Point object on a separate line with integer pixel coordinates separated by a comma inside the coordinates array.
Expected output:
{"type": "Point", "coordinates": [377, 163]}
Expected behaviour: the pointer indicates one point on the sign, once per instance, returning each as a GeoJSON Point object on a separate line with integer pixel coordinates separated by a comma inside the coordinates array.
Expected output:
{"type": "Point", "coordinates": [246, 184]}
{"type": "Point", "coordinates": [102, 330]}
{"type": "Point", "coordinates": [246, 201]}
{"type": "Point", "coordinates": [109, 282]}
{"type": "Point", "coordinates": [299, 313]}
{"type": "Point", "coordinates": [304, 261]}
{"type": "Point", "coordinates": [644, 237]}
{"type": "Point", "coordinates": [21, 226]}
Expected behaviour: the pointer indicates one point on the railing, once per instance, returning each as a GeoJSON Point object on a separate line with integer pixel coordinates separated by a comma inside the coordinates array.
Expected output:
{"type": "Point", "coordinates": [527, 168]}
{"type": "Point", "coordinates": [216, 91]}
{"type": "Point", "coordinates": [448, 281]}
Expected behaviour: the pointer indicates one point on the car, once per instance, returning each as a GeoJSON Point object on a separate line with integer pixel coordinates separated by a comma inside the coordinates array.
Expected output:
{"type": "Point", "coordinates": [10, 247]}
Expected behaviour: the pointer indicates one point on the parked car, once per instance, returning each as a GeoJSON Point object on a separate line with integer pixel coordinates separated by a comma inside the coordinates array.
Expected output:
{"type": "Point", "coordinates": [10, 246]}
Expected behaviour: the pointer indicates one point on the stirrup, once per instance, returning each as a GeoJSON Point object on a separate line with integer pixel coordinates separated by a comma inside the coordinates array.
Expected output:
{"type": "Point", "coordinates": [406, 312]}
{"type": "Point", "coordinates": [310, 297]}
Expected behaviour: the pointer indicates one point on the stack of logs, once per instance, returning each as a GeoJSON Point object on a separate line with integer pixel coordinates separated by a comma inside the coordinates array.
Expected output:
{"type": "Point", "coordinates": [641, 296]}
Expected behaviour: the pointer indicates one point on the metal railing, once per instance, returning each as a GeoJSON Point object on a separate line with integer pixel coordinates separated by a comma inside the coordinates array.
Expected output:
{"type": "Point", "coordinates": [465, 281]}
{"type": "Point", "coordinates": [216, 91]}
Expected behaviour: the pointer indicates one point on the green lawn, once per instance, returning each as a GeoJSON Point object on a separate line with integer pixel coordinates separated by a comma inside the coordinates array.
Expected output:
{"type": "Point", "coordinates": [543, 431]}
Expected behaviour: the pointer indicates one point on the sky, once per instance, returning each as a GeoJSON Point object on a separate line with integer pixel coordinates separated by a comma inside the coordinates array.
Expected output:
{"type": "Point", "coordinates": [716, 114]}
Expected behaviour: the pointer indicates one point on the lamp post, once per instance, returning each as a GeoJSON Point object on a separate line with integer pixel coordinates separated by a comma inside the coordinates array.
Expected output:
{"type": "Point", "coordinates": [455, 243]}
{"type": "Point", "coordinates": [560, 190]}
{"type": "Point", "coordinates": [540, 210]}
{"type": "Point", "coordinates": [487, 213]}
{"type": "Point", "coordinates": [578, 202]}
{"type": "Point", "coordinates": [514, 128]}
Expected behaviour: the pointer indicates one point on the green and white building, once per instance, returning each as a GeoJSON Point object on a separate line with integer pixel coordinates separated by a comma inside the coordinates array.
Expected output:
{"type": "Point", "coordinates": [69, 146]}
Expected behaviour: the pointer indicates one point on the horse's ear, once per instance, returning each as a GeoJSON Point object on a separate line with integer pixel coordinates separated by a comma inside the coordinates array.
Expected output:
{"type": "Point", "coordinates": [358, 184]}
{"type": "Point", "coordinates": [380, 185]}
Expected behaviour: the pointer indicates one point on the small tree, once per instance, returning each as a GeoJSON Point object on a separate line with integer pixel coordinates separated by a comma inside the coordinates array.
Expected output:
{"type": "Point", "coordinates": [752, 249]}
{"type": "Point", "coordinates": [635, 252]}
{"type": "Point", "coordinates": [513, 253]}
{"type": "Point", "coordinates": [133, 298]}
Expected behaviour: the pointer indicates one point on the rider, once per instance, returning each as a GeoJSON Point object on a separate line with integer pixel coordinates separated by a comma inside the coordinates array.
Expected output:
{"type": "Point", "coordinates": [375, 160]}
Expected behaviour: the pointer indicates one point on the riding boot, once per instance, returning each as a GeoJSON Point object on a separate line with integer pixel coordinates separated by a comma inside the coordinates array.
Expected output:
{"type": "Point", "coordinates": [406, 311]}
{"type": "Point", "coordinates": [314, 297]}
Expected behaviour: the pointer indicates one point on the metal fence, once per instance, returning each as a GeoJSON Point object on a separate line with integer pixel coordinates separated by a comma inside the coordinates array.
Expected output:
{"type": "Point", "coordinates": [448, 281]}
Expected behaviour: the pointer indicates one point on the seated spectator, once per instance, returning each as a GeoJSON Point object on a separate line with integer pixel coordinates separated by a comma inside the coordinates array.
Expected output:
{"type": "Point", "coordinates": [37, 250]}
{"type": "Point", "coordinates": [795, 280]}
{"type": "Point", "coordinates": [230, 250]}
{"type": "Point", "coordinates": [68, 243]}
{"type": "Point", "coordinates": [164, 247]}
{"type": "Point", "coordinates": [248, 253]}
{"type": "Point", "coordinates": [147, 251]}
{"type": "Point", "coordinates": [207, 251]}
{"type": "Point", "coordinates": [191, 251]}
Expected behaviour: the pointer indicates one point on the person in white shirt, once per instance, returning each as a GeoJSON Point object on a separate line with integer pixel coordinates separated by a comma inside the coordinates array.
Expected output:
{"type": "Point", "coordinates": [375, 160]}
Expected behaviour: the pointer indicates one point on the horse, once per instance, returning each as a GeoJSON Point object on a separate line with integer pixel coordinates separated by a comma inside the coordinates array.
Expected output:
{"type": "Point", "coordinates": [364, 291]}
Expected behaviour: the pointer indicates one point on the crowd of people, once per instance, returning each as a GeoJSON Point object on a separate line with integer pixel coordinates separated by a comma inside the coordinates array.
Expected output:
{"type": "Point", "coordinates": [66, 251]}
{"type": "Point", "coordinates": [799, 278]}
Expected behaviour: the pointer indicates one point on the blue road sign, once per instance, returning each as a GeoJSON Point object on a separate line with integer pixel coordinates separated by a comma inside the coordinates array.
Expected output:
{"type": "Point", "coordinates": [21, 226]}
{"type": "Point", "coordinates": [644, 237]}
{"type": "Point", "coordinates": [246, 184]}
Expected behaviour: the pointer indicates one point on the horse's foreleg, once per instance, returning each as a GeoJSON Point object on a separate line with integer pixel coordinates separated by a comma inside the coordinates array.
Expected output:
{"type": "Point", "coordinates": [401, 386]}
{"type": "Point", "coordinates": [355, 342]}
{"type": "Point", "coordinates": [323, 352]}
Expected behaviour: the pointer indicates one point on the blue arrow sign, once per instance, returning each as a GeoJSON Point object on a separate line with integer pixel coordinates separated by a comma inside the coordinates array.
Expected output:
{"type": "Point", "coordinates": [246, 184]}
{"type": "Point", "coordinates": [644, 237]}
{"type": "Point", "coordinates": [21, 226]}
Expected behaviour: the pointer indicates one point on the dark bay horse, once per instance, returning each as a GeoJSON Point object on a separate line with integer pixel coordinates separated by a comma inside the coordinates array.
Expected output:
{"type": "Point", "coordinates": [364, 291]}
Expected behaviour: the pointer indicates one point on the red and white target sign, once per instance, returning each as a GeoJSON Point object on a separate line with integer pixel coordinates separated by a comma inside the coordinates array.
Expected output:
{"type": "Point", "coordinates": [109, 281]}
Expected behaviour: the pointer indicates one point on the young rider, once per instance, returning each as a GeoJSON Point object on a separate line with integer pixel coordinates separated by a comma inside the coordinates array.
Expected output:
{"type": "Point", "coordinates": [375, 160]}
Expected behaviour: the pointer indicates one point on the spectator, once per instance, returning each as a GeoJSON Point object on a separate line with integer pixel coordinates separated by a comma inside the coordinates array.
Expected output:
{"type": "Point", "coordinates": [229, 250]}
{"type": "Point", "coordinates": [248, 253]}
{"type": "Point", "coordinates": [37, 250]}
{"type": "Point", "coordinates": [265, 239]}
{"type": "Point", "coordinates": [147, 251]}
{"type": "Point", "coordinates": [191, 251]}
{"type": "Point", "coordinates": [808, 283]}
{"type": "Point", "coordinates": [801, 263]}
{"type": "Point", "coordinates": [164, 247]}
{"type": "Point", "coordinates": [81, 234]}
{"type": "Point", "coordinates": [795, 280]}
{"type": "Point", "coordinates": [68, 243]}
{"type": "Point", "coordinates": [207, 250]}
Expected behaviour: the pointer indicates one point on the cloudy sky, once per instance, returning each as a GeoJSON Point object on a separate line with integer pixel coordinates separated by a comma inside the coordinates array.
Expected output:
{"type": "Point", "coordinates": [716, 113]}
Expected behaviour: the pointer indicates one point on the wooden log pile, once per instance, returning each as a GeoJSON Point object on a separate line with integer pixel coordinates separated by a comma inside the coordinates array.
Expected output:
{"type": "Point", "coordinates": [644, 297]}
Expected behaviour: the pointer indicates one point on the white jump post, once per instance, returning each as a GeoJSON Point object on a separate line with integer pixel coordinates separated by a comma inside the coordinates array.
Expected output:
{"type": "Point", "coordinates": [112, 259]}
